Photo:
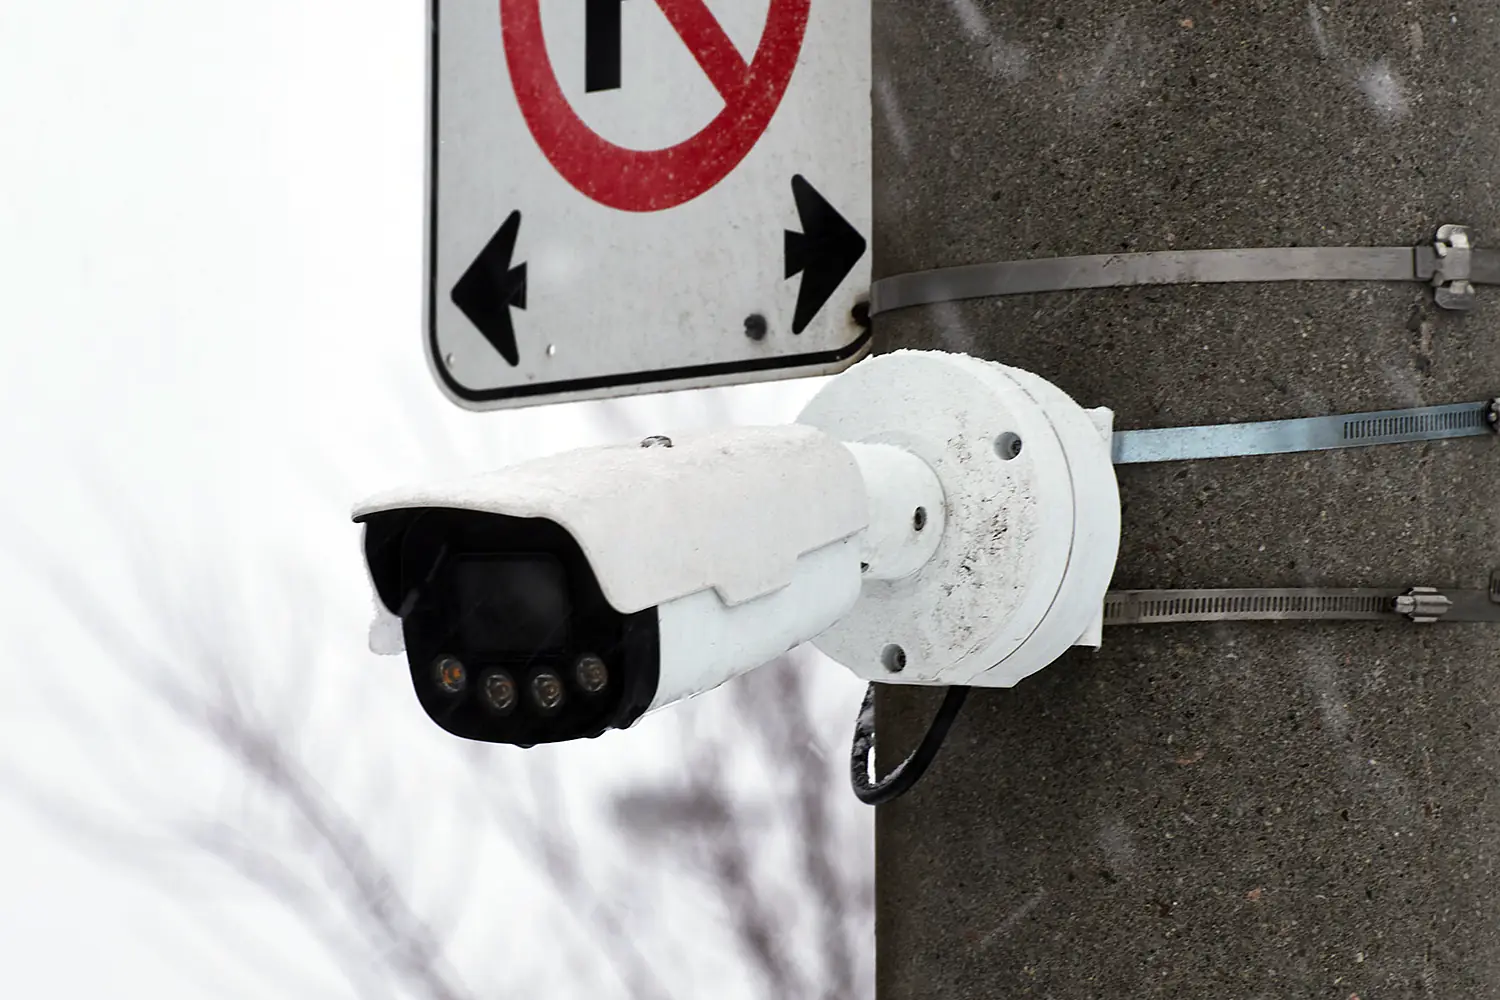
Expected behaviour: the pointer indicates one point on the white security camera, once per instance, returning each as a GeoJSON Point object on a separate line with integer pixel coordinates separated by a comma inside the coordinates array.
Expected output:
{"type": "Point", "coordinates": [931, 519]}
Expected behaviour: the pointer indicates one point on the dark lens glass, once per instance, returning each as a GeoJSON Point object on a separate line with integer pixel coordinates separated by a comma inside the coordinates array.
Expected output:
{"type": "Point", "coordinates": [547, 691]}
{"type": "Point", "coordinates": [512, 604]}
{"type": "Point", "coordinates": [498, 689]}
{"type": "Point", "coordinates": [591, 673]}
{"type": "Point", "coordinates": [450, 675]}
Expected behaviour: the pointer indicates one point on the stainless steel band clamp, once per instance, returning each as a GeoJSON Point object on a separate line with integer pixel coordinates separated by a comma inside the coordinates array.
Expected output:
{"type": "Point", "coordinates": [1451, 264]}
{"type": "Point", "coordinates": [1271, 437]}
{"type": "Point", "coordinates": [1422, 605]}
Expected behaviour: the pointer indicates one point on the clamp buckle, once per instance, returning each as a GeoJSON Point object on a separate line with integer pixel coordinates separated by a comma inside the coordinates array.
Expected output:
{"type": "Point", "coordinates": [1423, 605]}
{"type": "Point", "coordinates": [1451, 279]}
{"type": "Point", "coordinates": [1495, 587]}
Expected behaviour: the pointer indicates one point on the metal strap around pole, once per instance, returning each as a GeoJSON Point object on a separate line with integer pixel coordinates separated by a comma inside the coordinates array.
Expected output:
{"type": "Point", "coordinates": [1450, 264]}
{"type": "Point", "coordinates": [1421, 605]}
{"type": "Point", "coordinates": [1486, 267]}
{"type": "Point", "coordinates": [1271, 437]}
{"type": "Point", "coordinates": [1418, 604]}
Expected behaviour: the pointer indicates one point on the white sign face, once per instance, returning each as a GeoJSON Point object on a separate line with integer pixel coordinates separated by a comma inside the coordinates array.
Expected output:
{"type": "Point", "coordinates": [636, 195]}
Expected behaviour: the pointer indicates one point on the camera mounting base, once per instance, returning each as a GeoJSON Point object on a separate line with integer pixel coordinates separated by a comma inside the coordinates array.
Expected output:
{"type": "Point", "coordinates": [1030, 528]}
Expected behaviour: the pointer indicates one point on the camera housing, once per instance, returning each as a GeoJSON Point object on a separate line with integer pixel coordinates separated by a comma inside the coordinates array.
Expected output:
{"type": "Point", "coordinates": [649, 573]}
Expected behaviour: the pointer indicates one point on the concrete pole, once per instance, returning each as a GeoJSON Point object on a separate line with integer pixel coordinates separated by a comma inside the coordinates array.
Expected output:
{"type": "Point", "coordinates": [1204, 811]}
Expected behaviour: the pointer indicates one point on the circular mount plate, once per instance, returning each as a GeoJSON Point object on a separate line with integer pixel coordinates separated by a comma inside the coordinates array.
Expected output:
{"type": "Point", "coordinates": [1032, 520]}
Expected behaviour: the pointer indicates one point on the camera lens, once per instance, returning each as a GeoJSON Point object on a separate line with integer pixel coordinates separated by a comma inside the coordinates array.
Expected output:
{"type": "Point", "coordinates": [450, 675]}
{"type": "Point", "coordinates": [498, 691]}
{"type": "Point", "coordinates": [547, 691]}
{"type": "Point", "coordinates": [512, 604]}
{"type": "Point", "coordinates": [591, 673]}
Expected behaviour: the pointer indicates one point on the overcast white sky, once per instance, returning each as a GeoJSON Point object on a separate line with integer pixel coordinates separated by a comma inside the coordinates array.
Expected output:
{"type": "Point", "coordinates": [210, 290]}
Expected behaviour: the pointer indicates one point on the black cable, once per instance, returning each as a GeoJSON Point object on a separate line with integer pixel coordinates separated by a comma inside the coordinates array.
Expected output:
{"type": "Point", "coordinates": [910, 770]}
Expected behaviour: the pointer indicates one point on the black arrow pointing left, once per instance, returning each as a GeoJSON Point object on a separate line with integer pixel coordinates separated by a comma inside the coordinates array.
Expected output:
{"type": "Point", "coordinates": [490, 288]}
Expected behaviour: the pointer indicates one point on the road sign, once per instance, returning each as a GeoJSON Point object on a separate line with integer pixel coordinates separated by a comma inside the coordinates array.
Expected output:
{"type": "Point", "coordinates": [635, 195]}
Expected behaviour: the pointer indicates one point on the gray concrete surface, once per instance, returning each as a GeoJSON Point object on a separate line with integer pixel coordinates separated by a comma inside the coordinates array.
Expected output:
{"type": "Point", "coordinates": [1236, 811]}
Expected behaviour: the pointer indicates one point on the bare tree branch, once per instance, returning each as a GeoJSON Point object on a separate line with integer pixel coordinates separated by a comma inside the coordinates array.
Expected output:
{"type": "Point", "coordinates": [392, 931]}
{"type": "Point", "coordinates": [290, 836]}
{"type": "Point", "coordinates": [771, 710]}
{"type": "Point", "coordinates": [779, 717]}
{"type": "Point", "coordinates": [548, 835]}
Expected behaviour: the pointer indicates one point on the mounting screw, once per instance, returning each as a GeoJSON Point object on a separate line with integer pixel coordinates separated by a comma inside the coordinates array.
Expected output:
{"type": "Point", "coordinates": [755, 326]}
{"type": "Point", "coordinates": [893, 658]}
{"type": "Point", "coordinates": [919, 519]}
{"type": "Point", "coordinates": [657, 441]}
{"type": "Point", "coordinates": [1008, 446]}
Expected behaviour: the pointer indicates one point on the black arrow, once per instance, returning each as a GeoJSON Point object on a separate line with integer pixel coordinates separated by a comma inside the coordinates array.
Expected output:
{"type": "Point", "coordinates": [490, 287]}
{"type": "Point", "coordinates": [824, 253]}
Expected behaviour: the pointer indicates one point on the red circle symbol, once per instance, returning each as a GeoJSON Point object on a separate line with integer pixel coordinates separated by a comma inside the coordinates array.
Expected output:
{"type": "Point", "coordinates": [649, 180]}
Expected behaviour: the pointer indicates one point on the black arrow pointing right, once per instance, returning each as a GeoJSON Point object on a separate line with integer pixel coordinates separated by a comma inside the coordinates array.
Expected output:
{"type": "Point", "coordinates": [823, 253]}
{"type": "Point", "coordinates": [491, 287]}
